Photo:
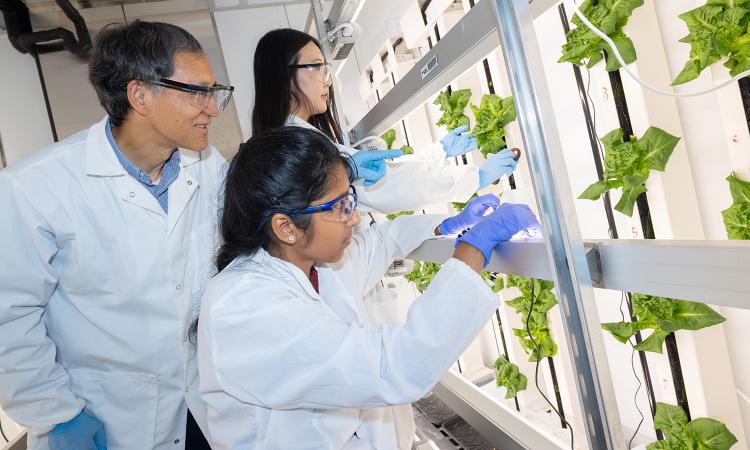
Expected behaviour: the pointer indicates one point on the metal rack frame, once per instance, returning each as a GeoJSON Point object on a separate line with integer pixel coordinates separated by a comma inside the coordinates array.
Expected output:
{"type": "Point", "coordinates": [712, 272]}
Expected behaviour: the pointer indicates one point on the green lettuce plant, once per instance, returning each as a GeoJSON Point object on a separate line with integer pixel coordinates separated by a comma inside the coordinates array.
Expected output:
{"type": "Point", "coordinates": [664, 316]}
{"type": "Point", "coordinates": [627, 164]}
{"type": "Point", "coordinates": [681, 434]}
{"type": "Point", "coordinates": [398, 214]}
{"type": "Point", "coordinates": [719, 29]}
{"type": "Point", "coordinates": [422, 274]}
{"type": "Point", "coordinates": [452, 106]}
{"type": "Point", "coordinates": [493, 280]}
{"type": "Point", "coordinates": [508, 376]}
{"type": "Point", "coordinates": [390, 137]}
{"type": "Point", "coordinates": [585, 47]}
{"type": "Point", "coordinates": [737, 216]}
{"type": "Point", "coordinates": [544, 300]}
{"type": "Point", "coordinates": [492, 115]}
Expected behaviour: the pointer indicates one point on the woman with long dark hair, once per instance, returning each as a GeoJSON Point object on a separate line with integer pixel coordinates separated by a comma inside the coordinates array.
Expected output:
{"type": "Point", "coordinates": [287, 354]}
{"type": "Point", "coordinates": [293, 86]}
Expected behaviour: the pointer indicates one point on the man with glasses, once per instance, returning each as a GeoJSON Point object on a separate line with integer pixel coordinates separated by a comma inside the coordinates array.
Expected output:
{"type": "Point", "coordinates": [108, 239]}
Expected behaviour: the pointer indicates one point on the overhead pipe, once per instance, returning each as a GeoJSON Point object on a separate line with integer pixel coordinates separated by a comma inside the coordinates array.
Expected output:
{"type": "Point", "coordinates": [25, 40]}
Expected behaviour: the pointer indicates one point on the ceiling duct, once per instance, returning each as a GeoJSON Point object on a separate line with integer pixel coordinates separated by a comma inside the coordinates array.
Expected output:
{"type": "Point", "coordinates": [26, 40]}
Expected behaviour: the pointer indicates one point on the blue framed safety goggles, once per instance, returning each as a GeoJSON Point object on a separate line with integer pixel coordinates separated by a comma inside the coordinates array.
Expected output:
{"type": "Point", "coordinates": [340, 209]}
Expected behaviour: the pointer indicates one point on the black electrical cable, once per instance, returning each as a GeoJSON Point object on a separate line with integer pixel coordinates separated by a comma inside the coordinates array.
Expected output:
{"type": "Point", "coordinates": [637, 378]}
{"type": "Point", "coordinates": [2, 432]}
{"type": "Point", "coordinates": [536, 370]}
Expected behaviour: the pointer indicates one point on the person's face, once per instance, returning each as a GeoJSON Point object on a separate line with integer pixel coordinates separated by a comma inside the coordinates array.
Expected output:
{"type": "Point", "coordinates": [310, 82]}
{"type": "Point", "coordinates": [327, 240]}
{"type": "Point", "coordinates": [171, 113]}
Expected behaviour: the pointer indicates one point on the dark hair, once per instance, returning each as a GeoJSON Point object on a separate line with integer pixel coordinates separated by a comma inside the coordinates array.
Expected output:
{"type": "Point", "coordinates": [277, 89]}
{"type": "Point", "coordinates": [136, 50]}
{"type": "Point", "coordinates": [282, 169]}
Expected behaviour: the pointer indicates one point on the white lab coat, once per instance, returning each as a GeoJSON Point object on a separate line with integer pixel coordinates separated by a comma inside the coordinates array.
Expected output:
{"type": "Point", "coordinates": [285, 368]}
{"type": "Point", "coordinates": [98, 288]}
{"type": "Point", "coordinates": [410, 183]}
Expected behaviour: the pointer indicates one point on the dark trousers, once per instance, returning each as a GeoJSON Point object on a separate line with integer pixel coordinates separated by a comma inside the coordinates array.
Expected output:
{"type": "Point", "coordinates": [194, 439]}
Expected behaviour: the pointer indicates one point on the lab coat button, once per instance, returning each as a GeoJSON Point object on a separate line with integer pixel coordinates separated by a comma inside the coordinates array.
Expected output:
{"type": "Point", "coordinates": [190, 183]}
{"type": "Point", "coordinates": [132, 194]}
{"type": "Point", "coordinates": [176, 441]}
{"type": "Point", "coordinates": [178, 287]}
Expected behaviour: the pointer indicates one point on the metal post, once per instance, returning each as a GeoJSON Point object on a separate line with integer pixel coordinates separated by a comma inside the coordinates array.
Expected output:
{"type": "Point", "coordinates": [3, 160]}
{"type": "Point", "coordinates": [320, 25]}
{"type": "Point", "coordinates": [563, 239]}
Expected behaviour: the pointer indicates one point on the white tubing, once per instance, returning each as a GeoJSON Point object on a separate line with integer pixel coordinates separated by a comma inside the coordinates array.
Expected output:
{"type": "Point", "coordinates": [572, 5]}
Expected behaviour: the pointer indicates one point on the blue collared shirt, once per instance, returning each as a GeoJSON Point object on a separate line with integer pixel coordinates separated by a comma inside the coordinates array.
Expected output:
{"type": "Point", "coordinates": [168, 173]}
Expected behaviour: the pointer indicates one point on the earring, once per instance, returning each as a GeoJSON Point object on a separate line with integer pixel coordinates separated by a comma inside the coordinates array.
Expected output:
{"type": "Point", "coordinates": [291, 238]}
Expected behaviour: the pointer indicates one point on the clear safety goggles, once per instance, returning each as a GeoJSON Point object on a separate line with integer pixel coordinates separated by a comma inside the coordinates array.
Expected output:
{"type": "Point", "coordinates": [324, 70]}
{"type": "Point", "coordinates": [340, 209]}
{"type": "Point", "coordinates": [201, 96]}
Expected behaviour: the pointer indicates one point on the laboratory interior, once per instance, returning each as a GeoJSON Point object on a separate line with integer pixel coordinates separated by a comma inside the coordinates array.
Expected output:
{"type": "Point", "coordinates": [624, 327]}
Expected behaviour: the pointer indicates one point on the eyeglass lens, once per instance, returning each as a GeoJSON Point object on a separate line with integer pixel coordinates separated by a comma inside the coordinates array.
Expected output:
{"type": "Point", "coordinates": [220, 96]}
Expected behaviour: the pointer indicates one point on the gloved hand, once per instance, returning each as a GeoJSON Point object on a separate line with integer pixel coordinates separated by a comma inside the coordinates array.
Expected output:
{"type": "Point", "coordinates": [371, 165]}
{"type": "Point", "coordinates": [506, 221]}
{"type": "Point", "coordinates": [472, 213]}
{"type": "Point", "coordinates": [83, 432]}
{"type": "Point", "coordinates": [456, 143]}
{"type": "Point", "coordinates": [496, 166]}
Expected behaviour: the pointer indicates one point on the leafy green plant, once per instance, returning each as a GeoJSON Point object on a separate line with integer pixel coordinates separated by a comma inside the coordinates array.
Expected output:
{"type": "Point", "coordinates": [390, 137]}
{"type": "Point", "coordinates": [493, 280]}
{"type": "Point", "coordinates": [398, 214]}
{"type": "Point", "coordinates": [663, 315]}
{"type": "Point", "coordinates": [459, 206]}
{"type": "Point", "coordinates": [492, 115]}
{"type": "Point", "coordinates": [718, 29]}
{"type": "Point", "coordinates": [583, 46]}
{"type": "Point", "coordinates": [508, 376]}
{"type": "Point", "coordinates": [544, 300]}
{"type": "Point", "coordinates": [697, 434]}
{"type": "Point", "coordinates": [452, 106]}
{"type": "Point", "coordinates": [422, 274]}
{"type": "Point", "coordinates": [627, 164]}
{"type": "Point", "coordinates": [737, 216]}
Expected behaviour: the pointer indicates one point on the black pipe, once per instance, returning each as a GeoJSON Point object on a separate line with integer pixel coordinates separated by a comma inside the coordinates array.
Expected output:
{"type": "Point", "coordinates": [648, 233]}
{"type": "Point", "coordinates": [594, 142]}
{"type": "Point", "coordinates": [25, 40]}
{"type": "Point", "coordinates": [505, 349]}
{"type": "Point", "coordinates": [744, 84]}
{"type": "Point", "coordinates": [46, 98]}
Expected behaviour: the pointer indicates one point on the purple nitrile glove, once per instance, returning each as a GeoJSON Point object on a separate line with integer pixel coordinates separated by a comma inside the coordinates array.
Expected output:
{"type": "Point", "coordinates": [472, 213]}
{"type": "Point", "coordinates": [458, 142]}
{"type": "Point", "coordinates": [506, 221]}
{"type": "Point", "coordinates": [371, 165]}
{"type": "Point", "coordinates": [83, 432]}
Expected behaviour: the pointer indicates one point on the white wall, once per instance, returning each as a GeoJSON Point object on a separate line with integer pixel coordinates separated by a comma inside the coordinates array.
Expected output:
{"type": "Point", "coordinates": [239, 31]}
{"type": "Point", "coordinates": [24, 126]}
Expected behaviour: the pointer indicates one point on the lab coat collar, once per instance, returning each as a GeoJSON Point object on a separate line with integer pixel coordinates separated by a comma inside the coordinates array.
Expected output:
{"type": "Point", "coordinates": [102, 161]}
{"type": "Point", "coordinates": [296, 121]}
{"type": "Point", "coordinates": [285, 269]}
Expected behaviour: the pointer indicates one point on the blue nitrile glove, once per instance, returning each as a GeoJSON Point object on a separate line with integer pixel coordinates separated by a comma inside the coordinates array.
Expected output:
{"type": "Point", "coordinates": [497, 166]}
{"type": "Point", "coordinates": [83, 432]}
{"type": "Point", "coordinates": [371, 165]}
{"type": "Point", "coordinates": [456, 143]}
{"type": "Point", "coordinates": [506, 221]}
{"type": "Point", "coordinates": [471, 214]}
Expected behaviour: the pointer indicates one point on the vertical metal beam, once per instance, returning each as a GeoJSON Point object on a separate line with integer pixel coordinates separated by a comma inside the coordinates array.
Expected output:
{"type": "Point", "coordinates": [3, 160]}
{"type": "Point", "coordinates": [563, 239]}
{"type": "Point", "coordinates": [320, 25]}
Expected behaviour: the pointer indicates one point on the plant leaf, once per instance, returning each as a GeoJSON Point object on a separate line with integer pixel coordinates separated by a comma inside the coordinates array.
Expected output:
{"type": "Point", "coordinates": [690, 316]}
{"type": "Point", "coordinates": [633, 188]}
{"type": "Point", "coordinates": [594, 191]}
{"type": "Point", "coordinates": [623, 331]}
{"type": "Point", "coordinates": [508, 375]}
{"type": "Point", "coordinates": [670, 419]}
{"type": "Point", "coordinates": [739, 189]}
{"type": "Point", "coordinates": [658, 146]}
{"type": "Point", "coordinates": [709, 434]}
{"type": "Point", "coordinates": [737, 221]}
{"type": "Point", "coordinates": [389, 137]}
{"type": "Point", "coordinates": [653, 343]}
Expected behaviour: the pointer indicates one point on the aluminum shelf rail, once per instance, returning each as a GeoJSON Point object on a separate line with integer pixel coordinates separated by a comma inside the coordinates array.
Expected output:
{"type": "Point", "coordinates": [712, 272]}
{"type": "Point", "coordinates": [470, 40]}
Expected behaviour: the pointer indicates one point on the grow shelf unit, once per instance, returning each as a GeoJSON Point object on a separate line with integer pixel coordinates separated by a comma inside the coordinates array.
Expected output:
{"type": "Point", "coordinates": [703, 271]}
